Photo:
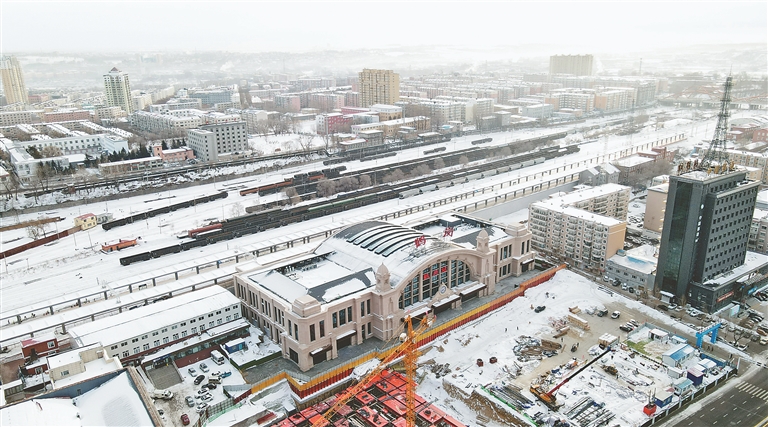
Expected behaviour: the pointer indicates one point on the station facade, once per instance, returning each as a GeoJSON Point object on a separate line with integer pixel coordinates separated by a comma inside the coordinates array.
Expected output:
{"type": "Point", "coordinates": [361, 282]}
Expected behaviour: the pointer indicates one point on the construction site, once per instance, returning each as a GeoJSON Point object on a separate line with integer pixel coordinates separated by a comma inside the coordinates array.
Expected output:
{"type": "Point", "coordinates": [569, 364]}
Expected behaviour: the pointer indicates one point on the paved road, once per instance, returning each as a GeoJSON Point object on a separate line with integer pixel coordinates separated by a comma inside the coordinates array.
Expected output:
{"type": "Point", "coordinates": [743, 402]}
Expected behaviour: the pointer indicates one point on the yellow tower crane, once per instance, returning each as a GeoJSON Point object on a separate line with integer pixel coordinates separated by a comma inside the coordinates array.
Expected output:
{"type": "Point", "coordinates": [409, 351]}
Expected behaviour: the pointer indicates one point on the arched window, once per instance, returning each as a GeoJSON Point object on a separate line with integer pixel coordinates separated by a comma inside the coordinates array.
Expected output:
{"type": "Point", "coordinates": [426, 284]}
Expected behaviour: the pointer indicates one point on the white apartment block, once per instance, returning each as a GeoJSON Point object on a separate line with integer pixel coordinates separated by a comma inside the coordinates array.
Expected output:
{"type": "Point", "coordinates": [134, 333]}
{"type": "Point", "coordinates": [581, 237]}
{"type": "Point", "coordinates": [117, 88]}
{"type": "Point", "coordinates": [609, 200]}
{"type": "Point", "coordinates": [10, 118]}
{"type": "Point", "coordinates": [177, 104]}
{"type": "Point", "coordinates": [210, 141]}
{"type": "Point", "coordinates": [167, 121]}
{"type": "Point", "coordinates": [80, 143]}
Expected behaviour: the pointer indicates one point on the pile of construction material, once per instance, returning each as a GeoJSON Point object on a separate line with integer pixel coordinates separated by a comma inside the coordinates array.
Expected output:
{"type": "Point", "coordinates": [511, 395]}
{"type": "Point", "coordinates": [586, 413]}
{"type": "Point", "coordinates": [530, 348]}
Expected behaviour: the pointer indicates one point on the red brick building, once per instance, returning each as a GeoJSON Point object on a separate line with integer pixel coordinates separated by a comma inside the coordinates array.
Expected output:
{"type": "Point", "coordinates": [35, 348]}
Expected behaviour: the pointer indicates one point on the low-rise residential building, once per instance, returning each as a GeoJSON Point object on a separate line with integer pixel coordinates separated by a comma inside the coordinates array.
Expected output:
{"type": "Point", "coordinates": [751, 159]}
{"type": "Point", "coordinates": [86, 221]}
{"type": "Point", "coordinates": [171, 120]}
{"type": "Point", "coordinates": [359, 283]}
{"type": "Point", "coordinates": [635, 267]}
{"type": "Point", "coordinates": [40, 346]}
{"type": "Point", "coordinates": [173, 155]}
{"type": "Point", "coordinates": [331, 123]}
{"type": "Point", "coordinates": [390, 127]}
{"type": "Point", "coordinates": [10, 118]}
{"type": "Point", "coordinates": [600, 175]}
{"type": "Point", "coordinates": [81, 364]}
{"type": "Point", "coordinates": [133, 165]}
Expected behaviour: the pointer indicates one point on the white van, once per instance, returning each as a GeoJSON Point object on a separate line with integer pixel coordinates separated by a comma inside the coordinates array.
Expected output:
{"type": "Point", "coordinates": [217, 357]}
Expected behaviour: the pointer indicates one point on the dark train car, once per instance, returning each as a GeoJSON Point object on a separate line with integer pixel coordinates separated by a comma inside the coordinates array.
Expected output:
{"type": "Point", "coordinates": [144, 256]}
{"type": "Point", "coordinates": [157, 253]}
{"type": "Point", "coordinates": [185, 246]}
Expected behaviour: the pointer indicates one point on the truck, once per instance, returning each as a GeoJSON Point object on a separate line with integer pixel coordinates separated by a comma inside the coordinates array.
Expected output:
{"type": "Point", "coordinates": [162, 394]}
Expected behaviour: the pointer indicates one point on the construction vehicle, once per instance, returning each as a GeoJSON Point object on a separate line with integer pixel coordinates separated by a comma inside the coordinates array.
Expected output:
{"type": "Point", "coordinates": [409, 351]}
{"type": "Point", "coordinates": [548, 397]}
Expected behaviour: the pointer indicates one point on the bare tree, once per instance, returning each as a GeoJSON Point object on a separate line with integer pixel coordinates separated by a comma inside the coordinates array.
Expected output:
{"type": "Point", "coordinates": [326, 188]}
{"type": "Point", "coordinates": [305, 141]}
{"type": "Point", "coordinates": [396, 175]}
{"type": "Point", "coordinates": [438, 163]}
{"type": "Point", "coordinates": [365, 181]}
{"type": "Point", "coordinates": [421, 170]}
{"type": "Point", "coordinates": [293, 195]}
{"type": "Point", "coordinates": [51, 151]}
{"type": "Point", "coordinates": [236, 209]}
{"type": "Point", "coordinates": [37, 231]}
{"type": "Point", "coordinates": [348, 183]}
{"type": "Point", "coordinates": [463, 160]}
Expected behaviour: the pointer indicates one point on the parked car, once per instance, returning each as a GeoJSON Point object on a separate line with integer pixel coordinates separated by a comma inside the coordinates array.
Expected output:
{"type": "Point", "coordinates": [634, 322]}
{"type": "Point", "coordinates": [207, 397]}
{"type": "Point", "coordinates": [211, 386]}
{"type": "Point", "coordinates": [625, 328]}
{"type": "Point", "coordinates": [624, 287]}
{"type": "Point", "coordinates": [539, 309]}
{"type": "Point", "coordinates": [202, 406]}
{"type": "Point", "coordinates": [673, 306]}
{"type": "Point", "coordinates": [203, 390]}
{"type": "Point", "coordinates": [185, 419]}
{"type": "Point", "coordinates": [190, 401]}
{"type": "Point", "coordinates": [615, 315]}
{"type": "Point", "coordinates": [192, 371]}
{"type": "Point", "coordinates": [204, 367]}
{"type": "Point", "coordinates": [226, 374]}
{"type": "Point", "coordinates": [199, 379]}
{"type": "Point", "coordinates": [631, 290]}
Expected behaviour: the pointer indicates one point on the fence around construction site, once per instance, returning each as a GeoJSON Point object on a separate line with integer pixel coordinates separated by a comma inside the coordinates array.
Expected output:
{"type": "Point", "coordinates": [304, 386]}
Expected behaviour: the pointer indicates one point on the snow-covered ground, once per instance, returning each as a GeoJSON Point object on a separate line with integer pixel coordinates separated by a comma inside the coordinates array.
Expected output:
{"type": "Point", "coordinates": [495, 336]}
{"type": "Point", "coordinates": [76, 260]}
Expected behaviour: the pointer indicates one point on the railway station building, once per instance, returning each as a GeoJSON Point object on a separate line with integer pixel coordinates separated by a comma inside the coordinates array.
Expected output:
{"type": "Point", "coordinates": [360, 283]}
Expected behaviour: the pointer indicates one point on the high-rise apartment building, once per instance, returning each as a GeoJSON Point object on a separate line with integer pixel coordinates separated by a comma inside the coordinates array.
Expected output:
{"type": "Point", "coordinates": [117, 88]}
{"type": "Point", "coordinates": [579, 65]}
{"type": "Point", "coordinates": [13, 81]}
{"type": "Point", "coordinates": [706, 230]}
{"type": "Point", "coordinates": [378, 87]}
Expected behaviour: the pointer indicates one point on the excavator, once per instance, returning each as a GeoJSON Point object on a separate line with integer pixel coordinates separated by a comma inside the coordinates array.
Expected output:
{"type": "Point", "coordinates": [548, 397]}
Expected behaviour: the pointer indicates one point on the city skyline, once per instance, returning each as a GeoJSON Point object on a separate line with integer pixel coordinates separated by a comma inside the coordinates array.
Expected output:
{"type": "Point", "coordinates": [251, 26]}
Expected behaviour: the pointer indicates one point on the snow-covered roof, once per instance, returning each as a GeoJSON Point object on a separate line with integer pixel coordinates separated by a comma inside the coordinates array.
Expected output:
{"type": "Point", "coordinates": [152, 317]}
{"type": "Point", "coordinates": [588, 193]}
{"type": "Point", "coordinates": [579, 213]}
{"type": "Point", "coordinates": [345, 263]}
{"type": "Point", "coordinates": [68, 357]}
{"type": "Point", "coordinates": [639, 259]}
{"type": "Point", "coordinates": [752, 262]}
{"type": "Point", "coordinates": [633, 160]}
{"type": "Point", "coordinates": [114, 403]}
{"type": "Point", "coordinates": [661, 188]}
{"type": "Point", "coordinates": [679, 352]}
{"type": "Point", "coordinates": [41, 412]}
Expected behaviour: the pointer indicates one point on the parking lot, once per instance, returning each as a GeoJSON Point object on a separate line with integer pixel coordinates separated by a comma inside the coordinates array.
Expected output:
{"type": "Point", "coordinates": [201, 396]}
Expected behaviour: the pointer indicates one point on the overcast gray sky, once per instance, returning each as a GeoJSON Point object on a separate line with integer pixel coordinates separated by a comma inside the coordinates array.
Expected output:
{"type": "Point", "coordinates": [107, 25]}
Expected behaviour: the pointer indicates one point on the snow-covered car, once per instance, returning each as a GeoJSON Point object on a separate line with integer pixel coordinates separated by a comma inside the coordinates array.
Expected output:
{"type": "Point", "coordinates": [192, 372]}
{"type": "Point", "coordinates": [204, 367]}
